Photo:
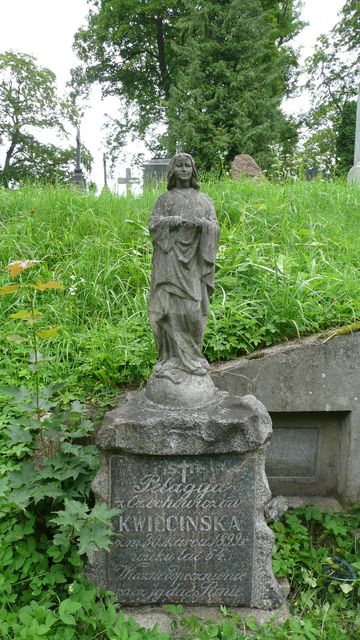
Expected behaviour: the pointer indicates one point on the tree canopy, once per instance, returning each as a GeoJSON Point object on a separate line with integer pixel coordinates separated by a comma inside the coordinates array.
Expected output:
{"type": "Point", "coordinates": [334, 76]}
{"type": "Point", "coordinates": [29, 102]}
{"type": "Point", "coordinates": [210, 74]}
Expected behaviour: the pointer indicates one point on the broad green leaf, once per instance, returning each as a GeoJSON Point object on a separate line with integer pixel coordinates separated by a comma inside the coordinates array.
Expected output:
{"type": "Point", "coordinates": [30, 316]}
{"type": "Point", "coordinates": [103, 513]}
{"type": "Point", "coordinates": [73, 515]}
{"type": "Point", "coordinates": [24, 476]}
{"type": "Point", "coordinates": [20, 497]}
{"type": "Point", "coordinates": [49, 490]}
{"type": "Point", "coordinates": [52, 332]}
{"type": "Point", "coordinates": [4, 486]}
{"type": "Point", "coordinates": [66, 609]}
{"type": "Point", "coordinates": [78, 408]}
{"type": "Point", "coordinates": [17, 434]}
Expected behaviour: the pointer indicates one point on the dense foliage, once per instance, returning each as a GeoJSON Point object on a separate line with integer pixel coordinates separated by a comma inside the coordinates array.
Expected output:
{"type": "Point", "coordinates": [227, 95]}
{"type": "Point", "coordinates": [212, 75]}
{"type": "Point", "coordinates": [29, 103]}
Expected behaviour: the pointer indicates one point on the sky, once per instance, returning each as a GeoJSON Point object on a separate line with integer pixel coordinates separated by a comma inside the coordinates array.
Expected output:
{"type": "Point", "coordinates": [45, 29]}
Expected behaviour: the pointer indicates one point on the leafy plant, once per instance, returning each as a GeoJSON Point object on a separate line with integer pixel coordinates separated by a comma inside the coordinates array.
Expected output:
{"type": "Point", "coordinates": [47, 520]}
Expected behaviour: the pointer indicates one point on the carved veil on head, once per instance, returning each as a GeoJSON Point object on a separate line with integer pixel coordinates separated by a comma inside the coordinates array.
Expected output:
{"type": "Point", "coordinates": [171, 175]}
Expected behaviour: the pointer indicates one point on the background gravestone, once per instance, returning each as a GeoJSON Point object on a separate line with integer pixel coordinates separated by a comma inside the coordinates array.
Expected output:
{"type": "Point", "coordinates": [155, 170]}
{"type": "Point", "coordinates": [77, 179]}
{"type": "Point", "coordinates": [244, 165]}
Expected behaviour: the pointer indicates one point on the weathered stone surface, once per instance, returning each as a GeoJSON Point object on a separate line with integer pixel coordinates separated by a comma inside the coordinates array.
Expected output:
{"type": "Point", "coordinates": [192, 489]}
{"type": "Point", "coordinates": [148, 616]}
{"type": "Point", "coordinates": [244, 165]}
{"type": "Point", "coordinates": [307, 384]}
{"type": "Point", "coordinates": [293, 452]}
{"type": "Point", "coordinates": [279, 505]}
{"type": "Point", "coordinates": [228, 424]}
{"type": "Point", "coordinates": [193, 391]}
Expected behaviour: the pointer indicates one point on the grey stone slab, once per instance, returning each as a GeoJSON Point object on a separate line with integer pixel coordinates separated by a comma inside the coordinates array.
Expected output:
{"type": "Point", "coordinates": [187, 529]}
{"type": "Point", "coordinates": [192, 490]}
{"type": "Point", "coordinates": [292, 452]}
{"type": "Point", "coordinates": [280, 504]}
{"type": "Point", "coordinates": [148, 616]}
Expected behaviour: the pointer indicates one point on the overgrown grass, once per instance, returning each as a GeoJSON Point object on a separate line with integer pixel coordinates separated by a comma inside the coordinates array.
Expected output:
{"type": "Point", "coordinates": [288, 265]}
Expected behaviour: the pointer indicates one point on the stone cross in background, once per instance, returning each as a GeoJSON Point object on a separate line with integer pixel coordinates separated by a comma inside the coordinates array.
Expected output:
{"type": "Point", "coordinates": [78, 179]}
{"type": "Point", "coordinates": [354, 173]}
{"type": "Point", "coordinates": [128, 180]}
{"type": "Point", "coordinates": [105, 172]}
{"type": "Point", "coordinates": [78, 149]}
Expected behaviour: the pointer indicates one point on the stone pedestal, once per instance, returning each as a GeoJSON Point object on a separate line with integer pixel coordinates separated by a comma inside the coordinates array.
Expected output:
{"type": "Point", "coordinates": [192, 488]}
{"type": "Point", "coordinates": [77, 180]}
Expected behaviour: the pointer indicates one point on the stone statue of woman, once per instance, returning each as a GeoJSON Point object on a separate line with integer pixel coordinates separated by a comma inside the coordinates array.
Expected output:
{"type": "Point", "coordinates": [184, 232]}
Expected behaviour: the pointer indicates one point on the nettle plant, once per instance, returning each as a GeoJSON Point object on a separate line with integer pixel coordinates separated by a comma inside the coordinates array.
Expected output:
{"type": "Point", "coordinates": [48, 482]}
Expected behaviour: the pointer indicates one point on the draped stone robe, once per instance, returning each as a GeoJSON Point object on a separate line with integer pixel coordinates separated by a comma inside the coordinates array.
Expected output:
{"type": "Point", "coordinates": [184, 231]}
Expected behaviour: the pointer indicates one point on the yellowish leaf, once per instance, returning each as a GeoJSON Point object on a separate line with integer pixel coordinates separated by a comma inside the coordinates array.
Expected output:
{"type": "Point", "coordinates": [27, 316]}
{"type": "Point", "coordinates": [17, 266]}
{"type": "Point", "coordinates": [42, 286]}
{"type": "Point", "coordinates": [52, 332]}
{"type": "Point", "coordinates": [9, 288]}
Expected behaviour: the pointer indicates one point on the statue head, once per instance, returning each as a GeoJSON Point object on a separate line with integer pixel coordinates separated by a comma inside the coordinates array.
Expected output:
{"type": "Point", "coordinates": [171, 171]}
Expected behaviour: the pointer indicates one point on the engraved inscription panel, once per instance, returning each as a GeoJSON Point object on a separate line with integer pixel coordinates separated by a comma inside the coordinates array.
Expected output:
{"type": "Point", "coordinates": [186, 529]}
{"type": "Point", "coordinates": [292, 452]}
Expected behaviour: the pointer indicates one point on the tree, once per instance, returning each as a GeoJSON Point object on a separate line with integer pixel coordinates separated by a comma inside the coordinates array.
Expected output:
{"type": "Point", "coordinates": [345, 140]}
{"type": "Point", "coordinates": [197, 70]}
{"type": "Point", "coordinates": [228, 94]}
{"type": "Point", "coordinates": [333, 72]}
{"type": "Point", "coordinates": [28, 102]}
{"type": "Point", "coordinates": [129, 47]}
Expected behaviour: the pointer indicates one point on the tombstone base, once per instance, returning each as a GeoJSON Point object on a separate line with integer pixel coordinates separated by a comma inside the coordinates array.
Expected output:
{"type": "Point", "coordinates": [77, 180]}
{"type": "Point", "coordinates": [191, 487]}
{"type": "Point", "coordinates": [148, 616]}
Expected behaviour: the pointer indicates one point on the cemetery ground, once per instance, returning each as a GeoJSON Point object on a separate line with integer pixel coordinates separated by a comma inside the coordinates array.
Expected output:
{"type": "Point", "coordinates": [287, 266]}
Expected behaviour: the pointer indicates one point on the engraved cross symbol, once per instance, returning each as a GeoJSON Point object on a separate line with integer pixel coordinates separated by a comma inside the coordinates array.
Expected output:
{"type": "Point", "coordinates": [184, 466]}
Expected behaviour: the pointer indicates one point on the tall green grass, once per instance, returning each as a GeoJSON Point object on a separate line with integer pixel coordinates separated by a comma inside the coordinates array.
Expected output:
{"type": "Point", "coordinates": [288, 265]}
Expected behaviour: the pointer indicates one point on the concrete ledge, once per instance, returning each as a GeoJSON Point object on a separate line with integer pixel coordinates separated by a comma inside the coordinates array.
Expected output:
{"type": "Point", "coordinates": [311, 388]}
